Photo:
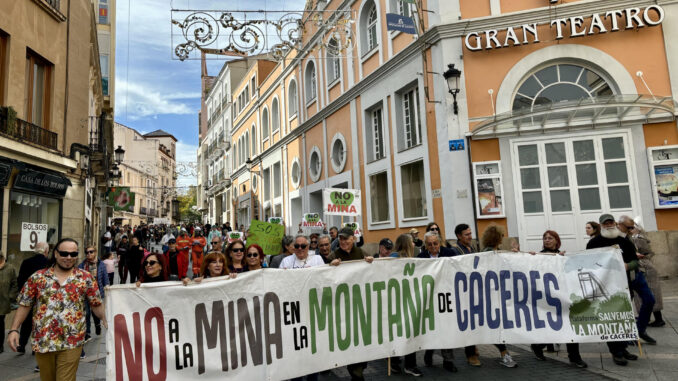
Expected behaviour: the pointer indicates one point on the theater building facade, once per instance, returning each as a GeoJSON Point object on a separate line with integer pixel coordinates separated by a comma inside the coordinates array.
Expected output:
{"type": "Point", "coordinates": [570, 113]}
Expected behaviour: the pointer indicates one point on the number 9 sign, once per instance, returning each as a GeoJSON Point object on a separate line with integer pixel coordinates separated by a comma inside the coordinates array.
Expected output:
{"type": "Point", "coordinates": [31, 234]}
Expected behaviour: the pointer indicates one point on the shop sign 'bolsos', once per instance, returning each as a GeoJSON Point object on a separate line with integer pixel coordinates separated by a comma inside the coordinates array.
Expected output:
{"type": "Point", "coordinates": [575, 26]}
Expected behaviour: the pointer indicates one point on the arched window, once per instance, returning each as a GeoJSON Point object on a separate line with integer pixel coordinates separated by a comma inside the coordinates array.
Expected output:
{"type": "Point", "coordinates": [560, 83]}
{"type": "Point", "coordinates": [264, 124]}
{"type": "Point", "coordinates": [275, 115]}
{"type": "Point", "coordinates": [333, 60]}
{"type": "Point", "coordinates": [368, 26]}
{"type": "Point", "coordinates": [292, 99]}
{"type": "Point", "coordinates": [247, 145]}
{"type": "Point", "coordinates": [310, 82]}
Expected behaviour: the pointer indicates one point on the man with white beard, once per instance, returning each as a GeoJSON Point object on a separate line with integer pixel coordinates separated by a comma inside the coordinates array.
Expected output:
{"type": "Point", "coordinates": [610, 235]}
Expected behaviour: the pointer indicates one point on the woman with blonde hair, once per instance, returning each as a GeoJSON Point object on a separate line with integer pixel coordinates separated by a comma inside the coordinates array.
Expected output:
{"type": "Point", "coordinates": [404, 247]}
{"type": "Point", "coordinates": [213, 265]}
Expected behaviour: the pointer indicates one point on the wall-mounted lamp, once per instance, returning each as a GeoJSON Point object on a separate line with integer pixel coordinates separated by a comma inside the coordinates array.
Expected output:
{"type": "Point", "coordinates": [452, 76]}
{"type": "Point", "coordinates": [119, 154]}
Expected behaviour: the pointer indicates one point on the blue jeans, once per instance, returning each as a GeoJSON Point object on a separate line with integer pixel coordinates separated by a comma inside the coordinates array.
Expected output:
{"type": "Point", "coordinates": [639, 285]}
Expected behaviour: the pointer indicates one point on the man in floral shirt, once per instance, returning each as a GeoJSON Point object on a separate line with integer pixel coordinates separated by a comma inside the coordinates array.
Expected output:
{"type": "Point", "coordinates": [59, 294]}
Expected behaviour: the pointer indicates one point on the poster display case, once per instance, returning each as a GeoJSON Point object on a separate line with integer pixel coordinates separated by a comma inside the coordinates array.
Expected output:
{"type": "Point", "coordinates": [487, 184]}
{"type": "Point", "coordinates": [663, 162]}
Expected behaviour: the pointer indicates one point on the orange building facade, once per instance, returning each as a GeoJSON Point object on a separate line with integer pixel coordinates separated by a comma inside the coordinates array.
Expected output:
{"type": "Point", "coordinates": [565, 111]}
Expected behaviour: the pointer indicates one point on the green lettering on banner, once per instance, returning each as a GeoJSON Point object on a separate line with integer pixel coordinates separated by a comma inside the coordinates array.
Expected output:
{"type": "Point", "coordinates": [268, 236]}
{"type": "Point", "coordinates": [322, 312]}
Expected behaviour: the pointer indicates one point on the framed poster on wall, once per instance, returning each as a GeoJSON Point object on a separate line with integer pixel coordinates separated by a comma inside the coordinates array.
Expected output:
{"type": "Point", "coordinates": [663, 162]}
{"type": "Point", "coordinates": [489, 191]}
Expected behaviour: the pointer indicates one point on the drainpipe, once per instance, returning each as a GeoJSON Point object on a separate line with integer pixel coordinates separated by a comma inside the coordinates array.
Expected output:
{"type": "Point", "coordinates": [473, 194]}
{"type": "Point", "coordinates": [68, 50]}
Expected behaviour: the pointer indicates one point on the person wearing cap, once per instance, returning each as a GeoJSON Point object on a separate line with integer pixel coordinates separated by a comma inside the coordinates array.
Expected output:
{"type": "Point", "coordinates": [610, 235]}
{"type": "Point", "coordinates": [177, 261]}
{"type": "Point", "coordinates": [347, 251]}
{"type": "Point", "coordinates": [385, 248]}
{"type": "Point", "coordinates": [415, 238]}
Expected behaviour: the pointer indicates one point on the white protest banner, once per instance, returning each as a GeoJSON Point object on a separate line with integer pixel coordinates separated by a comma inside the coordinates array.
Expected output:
{"type": "Point", "coordinates": [280, 324]}
{"type": "Point", "coordinates": [311, 220]}
{"type": "Point", "coordinates": [31, 234]}
{"type": "Point", "coordinates": [341, 202]}
{"type": "Point", "coordinates": [355, 227]}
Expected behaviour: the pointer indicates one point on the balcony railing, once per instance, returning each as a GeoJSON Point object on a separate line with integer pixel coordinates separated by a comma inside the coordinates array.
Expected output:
{"type": "Point", "coordinates": [153, 213]}
{"type": "Point", "coordinates": [26, 131]}
{"type": "Point", "coordinates": [142, 210]}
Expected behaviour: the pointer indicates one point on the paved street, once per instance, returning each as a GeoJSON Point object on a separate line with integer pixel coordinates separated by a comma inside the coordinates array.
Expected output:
{"type": "Point", "coordinates": [659, 362]}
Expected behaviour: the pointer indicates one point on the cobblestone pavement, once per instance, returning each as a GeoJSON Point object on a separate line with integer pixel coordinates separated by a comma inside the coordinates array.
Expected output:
{"type": "Point", "coordinates": [657, 363]}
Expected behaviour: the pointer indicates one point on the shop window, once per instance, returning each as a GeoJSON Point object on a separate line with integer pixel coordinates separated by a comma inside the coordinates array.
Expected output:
{"type": "Point", "coordinates": [560, 83]}
{"type": "Point", "coordinates": [38, 80]}
{"type": "Point", "coordinates": [413, 190]}
{"type": "Point", "coordinates": [379, 208]}
{"type": "Point", "coordinates": [311, 82]}
{"type": "Point", "coordinates": [25, 207]}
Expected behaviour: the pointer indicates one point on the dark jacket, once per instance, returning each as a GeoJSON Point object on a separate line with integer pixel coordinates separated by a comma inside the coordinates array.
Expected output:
{"type": "Point", "coordinates": [29, 266]}
{"type": "Point", "coordinates": [627, 247]}
{"type": "Point", "coordinates": [356, 253]}
{"type": "Point", "coordinates": [102, 275]}
{"type": "Point", "coordinates": [444, 252]}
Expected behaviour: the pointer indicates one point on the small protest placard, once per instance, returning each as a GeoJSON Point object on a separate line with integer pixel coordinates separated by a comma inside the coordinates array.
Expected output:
{"type": "Point", "coordinates": [267, 235]}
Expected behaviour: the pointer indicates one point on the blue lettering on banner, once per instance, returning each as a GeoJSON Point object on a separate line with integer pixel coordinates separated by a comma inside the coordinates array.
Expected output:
{"type": "Point", "coordinates": [519, 294]}
{"type": "Point", "coordinates": [457, 145]}
{"type": "Point", "coordinates": [400, 23]}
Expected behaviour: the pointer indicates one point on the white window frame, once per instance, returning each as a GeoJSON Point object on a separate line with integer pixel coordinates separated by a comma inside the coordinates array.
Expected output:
{"type": "Point", "coordinates": [275, 127]}
{"type": "Point", "coordinates": [315, 176]}
{"type": "Point", "coordinates": [293, 100]}
{"type": "Point", "coordinates": [311, 79]}
{"type": "Point", "coordinates": [338, 167]}
{"type": "Point", "coordinates": [415, 138]}
{"type": "Point", "coordinates": [296, 162]}
{"type": "Point", "coordinates": [388, 221]}
{"type": "Point", "coordinates": [265, 124]}
{"type": "Point", "coordinates": [377, 132]}
{"type": "Point", "coordinates": [371, 29]}
{"type": "Point", "coordinates": [333, 64]}
{"type": "Point", "coordinates": [411, 221]}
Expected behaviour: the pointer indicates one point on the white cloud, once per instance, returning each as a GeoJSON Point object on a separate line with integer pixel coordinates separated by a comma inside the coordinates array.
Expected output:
{"type": "Point", "coordinates": [136, 101]}
{"type": "Point", "coordinates": [186, 155]}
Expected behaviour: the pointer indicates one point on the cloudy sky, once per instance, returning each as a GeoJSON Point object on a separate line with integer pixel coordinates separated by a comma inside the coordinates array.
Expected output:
{"type": "Point", "coordinates": [153, 90]}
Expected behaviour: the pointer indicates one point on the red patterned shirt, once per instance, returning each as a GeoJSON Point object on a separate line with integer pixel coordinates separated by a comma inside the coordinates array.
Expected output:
{"type": "Point", "coordinates": [59, 313]}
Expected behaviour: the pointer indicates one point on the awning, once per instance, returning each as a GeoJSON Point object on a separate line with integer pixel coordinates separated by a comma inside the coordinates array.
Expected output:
{"type": "Point", "coordinates": [6, 166]}
{"type": "Point", "coordinates": [587, 113]}
{"type": "Point", "coordinates": [42, 181]}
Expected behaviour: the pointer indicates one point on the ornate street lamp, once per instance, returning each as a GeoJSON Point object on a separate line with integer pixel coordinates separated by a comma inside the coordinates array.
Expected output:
{"type": "Point", "coordinates": [119, 154]}
{"type": "Point", "coordinates": [452, 76]}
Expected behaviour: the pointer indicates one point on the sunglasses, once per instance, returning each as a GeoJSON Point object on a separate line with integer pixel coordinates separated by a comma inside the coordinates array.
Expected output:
{"type": "Point", "coordinates": [215, 243]}
{"type": "Point", "coordinates": [314, 242]}
{"type": "Point", "coordinates": [298, 246]}
{"type": "Point", "coordinates": [237, 249]}
{"type": "Point", "coordinates": [150, 263]}
{"type": "Point", "coordinates": [90, 251]}
{"type": "Point", "coordinates": [252, 255]}
{"type": "Point", "coordinates": [64, 254]}
{"type": "Point", "coordinates": [435, 229]}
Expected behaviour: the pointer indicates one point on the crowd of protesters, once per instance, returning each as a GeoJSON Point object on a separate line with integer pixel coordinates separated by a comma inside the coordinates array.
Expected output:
{"type": "Point", "coordinates": [193, 252]}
